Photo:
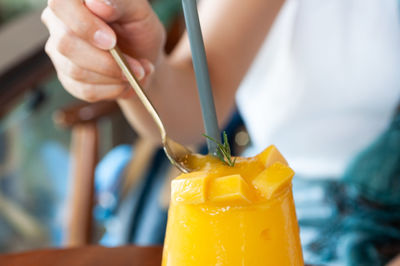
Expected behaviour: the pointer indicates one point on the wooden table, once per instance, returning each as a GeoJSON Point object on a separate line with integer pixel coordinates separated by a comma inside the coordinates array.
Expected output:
{"type": "Point", "coordinates": [90, 256]}
{"type": "Point", "coordinates": [87, 256]}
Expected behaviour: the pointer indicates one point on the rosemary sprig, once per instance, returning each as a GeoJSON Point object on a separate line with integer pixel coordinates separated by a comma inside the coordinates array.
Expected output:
{"type": "Point", "coordinates": [223, 150]}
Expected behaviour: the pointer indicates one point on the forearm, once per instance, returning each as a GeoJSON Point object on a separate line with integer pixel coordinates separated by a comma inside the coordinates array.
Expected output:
{"type": "Point", "coordinates": [173, 92]}
{"type": "Point", "coordinates": [231, 46]}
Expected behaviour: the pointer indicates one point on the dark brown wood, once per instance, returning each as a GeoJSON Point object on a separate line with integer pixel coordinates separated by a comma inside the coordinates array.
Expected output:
{"type": "Point", "coordinates": [81, 113]}
{"type": "Point", "coordinates": [19, 79]}
{"type": "Point", "coordinates": [24, 64]}
{"type": "Point", "coordinates": [84, 149]}
{"type": "Point", "coordinates": [87, 256]}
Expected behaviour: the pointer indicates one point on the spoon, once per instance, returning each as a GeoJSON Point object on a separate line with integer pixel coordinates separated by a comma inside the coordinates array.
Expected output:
{"type": "Point", "coordinates": [176, 153]}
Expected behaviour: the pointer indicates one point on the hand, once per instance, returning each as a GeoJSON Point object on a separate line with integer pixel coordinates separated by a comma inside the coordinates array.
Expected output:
{"type": "Point", "coordinates": [395, 261]}
{"type": "Point", "coordinates": [81, 33]}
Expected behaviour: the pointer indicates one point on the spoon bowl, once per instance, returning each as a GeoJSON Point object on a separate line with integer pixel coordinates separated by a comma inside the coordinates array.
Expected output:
{"type": "Point", "coordinates": [177, 154]}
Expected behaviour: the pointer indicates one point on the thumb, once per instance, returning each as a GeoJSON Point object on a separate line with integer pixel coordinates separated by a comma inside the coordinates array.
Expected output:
{"type": "Point", "coordinates": [123, 11]}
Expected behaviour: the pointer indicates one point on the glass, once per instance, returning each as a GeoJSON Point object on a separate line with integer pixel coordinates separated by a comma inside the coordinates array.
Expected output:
{"type": "Point", "coordinates": [241, 215]}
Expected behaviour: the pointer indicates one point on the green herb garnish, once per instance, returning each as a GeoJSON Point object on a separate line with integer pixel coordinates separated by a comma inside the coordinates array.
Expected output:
{"type": "Point", "coordinates": [223, 150]}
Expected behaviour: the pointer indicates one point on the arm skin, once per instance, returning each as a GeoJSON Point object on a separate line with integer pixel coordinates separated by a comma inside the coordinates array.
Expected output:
{"type": "Point", "coordinates": [81, 32]}
{"type": "Point", "coordinates": [233, 32]}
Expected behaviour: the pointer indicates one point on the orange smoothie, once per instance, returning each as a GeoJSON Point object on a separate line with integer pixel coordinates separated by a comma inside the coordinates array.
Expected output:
{"type": "Point", "coordinates": [240, 215]}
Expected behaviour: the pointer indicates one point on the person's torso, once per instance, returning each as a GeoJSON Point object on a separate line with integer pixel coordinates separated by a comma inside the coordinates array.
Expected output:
{"type": "Point", "coordinates": [325, 83]}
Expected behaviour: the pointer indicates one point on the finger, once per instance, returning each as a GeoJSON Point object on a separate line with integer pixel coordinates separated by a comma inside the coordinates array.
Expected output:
{"type": "Point", "coordinates": [85, 24]}
{"type": "Point", "coordinates": [121, 10]}
{"type": "Point", "coordinates": [92, 92]}
{"type": "Point", "coordinates": [128, 93]}
{"type": "Point", "coordinates": [82, 53]}
{"type": "Point", "coordinates": [85, 56]}
{"type": "Point", "coordinates": [148, 66]}
{"type": "Point", "coordinates": [140, 32]}
{"type": "Point", "coordinates": [149, 70]}
{"type": "Point", "coordinates": [68, 68]}
{"type": "Point", "coordinates": [76, 49]}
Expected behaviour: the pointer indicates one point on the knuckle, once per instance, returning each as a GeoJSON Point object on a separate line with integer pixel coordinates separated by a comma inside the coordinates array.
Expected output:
{"type": "Point", "coordinates": [86, 28]}
{"type": "Point", "coordinates": [64, 44]}
{"type": "Point", "coordinates": [53, 4]}
{"type": "Point", "coordinates": [110, 67]}
{"type": "Point", "coordinates": [60, 78]}
{"type": "Point", "coordinates": [44, 15]}
{"type": "Point", "coordinates": [47, 47]}
{"type": "Point", "coordinates": [75, 72]}
{"type": "Point", "coordinates": [63, 81]}
{"type": "Point", "coordinates": [88, 93]}
{"type": "Point", "coordinates": [120, 89]}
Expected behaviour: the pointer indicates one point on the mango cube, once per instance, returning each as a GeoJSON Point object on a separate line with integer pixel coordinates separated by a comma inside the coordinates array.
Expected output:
{"type": "Point", "coordinates": [273, 179]}
{"type": "Point", "coordinates": [191, 188]}
{"type": "Point", "coordinates": [271, 155]}
{"type": "Point", "coordinates": [229, 189]}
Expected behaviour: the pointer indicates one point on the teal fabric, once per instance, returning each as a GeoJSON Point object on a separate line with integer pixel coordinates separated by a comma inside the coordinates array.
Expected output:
{"type": "Point", "coordinates": [356, 220]}
{"type": "Point", "coordinates": [373, 184]}
{"type": "Point", "coordinates": [375, 173]}
{"type": "Point", "coordinates": [167, 10]}
{"type": "Point", "coordinates": [340, 228]}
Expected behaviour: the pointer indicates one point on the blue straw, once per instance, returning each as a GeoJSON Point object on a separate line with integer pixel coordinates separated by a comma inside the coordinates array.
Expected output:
{"type": "Point", "coordinates": [202, 74]}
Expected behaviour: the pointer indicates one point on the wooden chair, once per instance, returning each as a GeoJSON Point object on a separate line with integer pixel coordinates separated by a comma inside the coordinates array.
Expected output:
{"type": "Point", "coordinates": [82, 119]}
{"type": "Point", "coordinates": [23, 67]}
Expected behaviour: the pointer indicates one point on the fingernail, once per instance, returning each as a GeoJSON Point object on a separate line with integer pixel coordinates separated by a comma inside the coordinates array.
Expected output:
{"type": "Point", "coordinates": [108, 2]}
{"type": "Point", "coordinates": [139, 72]}
{"type": "Point", "coordinates": [151, 68]}
{"type": "Point", "coordinates": [105, 2]}
{"type": "Point", "coordinates": [104, 40]}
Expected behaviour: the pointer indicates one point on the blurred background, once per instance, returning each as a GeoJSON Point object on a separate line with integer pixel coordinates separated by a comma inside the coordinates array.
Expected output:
{"type": "Point", "coordinates": [31, 186]}
{"type": "Point", "coordinates": [73, 173]}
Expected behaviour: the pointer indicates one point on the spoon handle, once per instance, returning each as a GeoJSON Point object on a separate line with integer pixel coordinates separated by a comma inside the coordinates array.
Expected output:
{"type": "Point", "coordinates": [119, 58]}
{"type": "Point", "coordinates": [202, 74]}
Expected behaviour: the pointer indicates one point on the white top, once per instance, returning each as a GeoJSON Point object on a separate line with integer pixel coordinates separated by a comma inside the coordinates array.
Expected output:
{"type": "Point", "coordinates": [325, 83]}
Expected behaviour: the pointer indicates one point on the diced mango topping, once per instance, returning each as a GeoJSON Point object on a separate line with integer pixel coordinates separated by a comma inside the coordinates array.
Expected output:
{"type": "Point", "coordinates": [233, 215]}
{"type": "Point", "coordinates": [231, 189]}
{"type": "Point", "coordinates": [190, 189]}
{"type": "Point", "coordinates": [271, 155]}
{"type": "Point", "coordinates": [273, 179]}
{"type": "Point", "coordinates": [250, 180]}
